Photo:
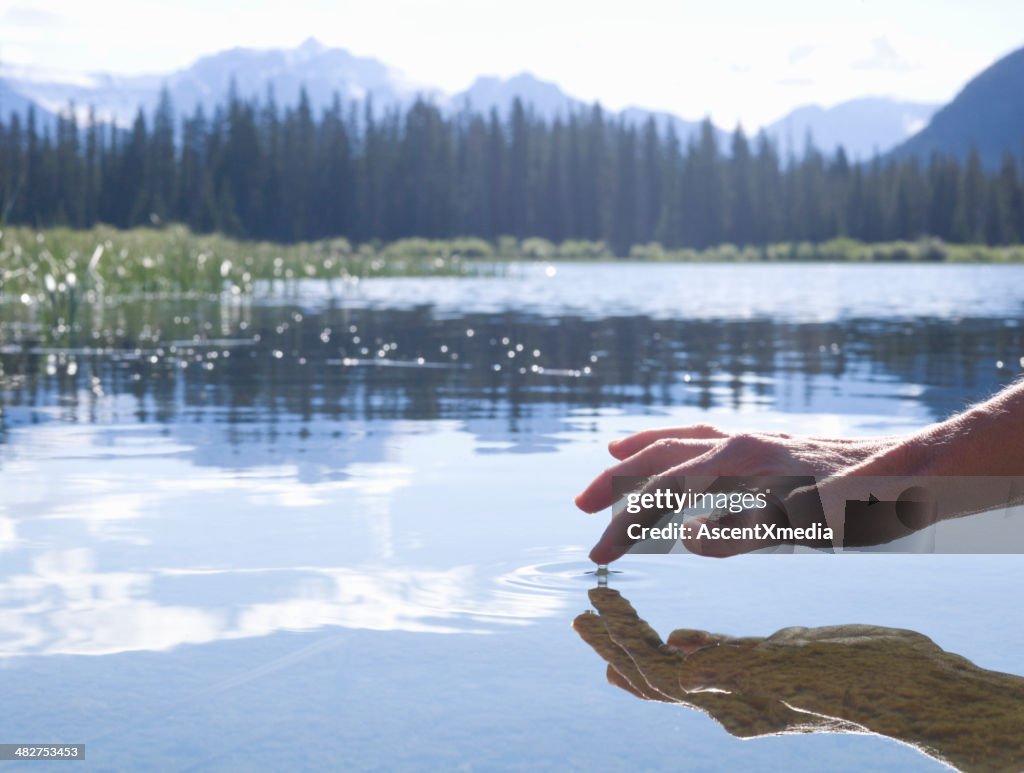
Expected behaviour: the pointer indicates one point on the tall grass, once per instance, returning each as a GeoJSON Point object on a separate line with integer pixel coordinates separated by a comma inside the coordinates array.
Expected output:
{"type": "Point", "coordinates": [173, 259]}
{"type": "Point", "coordinates": [62, 268]}
{"type": "Point", "coordinates": [52, 275]}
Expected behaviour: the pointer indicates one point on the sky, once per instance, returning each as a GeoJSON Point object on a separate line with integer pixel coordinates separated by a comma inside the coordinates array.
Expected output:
{"type": "Point", "coordinates": [747, 61]}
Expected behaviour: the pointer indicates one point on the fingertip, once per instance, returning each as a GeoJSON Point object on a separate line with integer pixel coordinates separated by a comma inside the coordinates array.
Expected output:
{"type": "Point", "coordinates": [602, 554]}
{"type": "Point", "coordinates": [616, 448]}
{"type": "Point", "coordinates": [591, 500]}
{"type": "Point", "coordinates": [583, 622]}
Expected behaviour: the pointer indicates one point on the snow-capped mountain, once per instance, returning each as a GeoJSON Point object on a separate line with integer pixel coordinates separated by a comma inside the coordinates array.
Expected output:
{"type": "Point", "coordinates": [862, 126]}
{"type": "Point", "coordinates": [321, 70]}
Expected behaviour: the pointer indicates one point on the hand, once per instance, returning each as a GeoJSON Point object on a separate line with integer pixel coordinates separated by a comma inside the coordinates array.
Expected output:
{"type": "Point", "coordinates": [704, 451]}
{"type": "Point", "coordinates": [845, 678]}
{"type": "Point", "coordinates": [966, 464]}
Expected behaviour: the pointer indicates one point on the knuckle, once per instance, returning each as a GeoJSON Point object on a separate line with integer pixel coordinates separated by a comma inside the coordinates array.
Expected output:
{"type": "Point", "coordinates": [746, 443]}
{"type": "Point", "coordinates": [665, 448]}
{"type": "Point", "coordinates": [706, 430]}
{"type": "Point", "coordinates": [663, 445]}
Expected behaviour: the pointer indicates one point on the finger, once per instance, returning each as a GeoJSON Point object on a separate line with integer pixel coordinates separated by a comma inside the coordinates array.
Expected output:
{"type": "Point", "coordinates": [591, 629]}
{"type": "Point", "coordinates": [619, 535]}
{"type": "Point", "coordinates": [638, 688]}
{"type": "Point", "coordinates": [708, 542]}
{"type": "Point", "coordinates": [616, 540]}
{"type": "Point", "coordinates": [622, 672]}
{"type": "Point", "coordinates": [652, 460]}
{"type": "Point", "coordinates": [740, 457]}
{"type": "Point", "coordinates": [624, 447]}
{"type": "Point", "coordinates": [605, 551]}
{"type": "Point", "coordinates": [689, 640]}
{"type": "Point", "coordinates": [796, 521]}
{"type": "Point", "coordinates": [657, 664]}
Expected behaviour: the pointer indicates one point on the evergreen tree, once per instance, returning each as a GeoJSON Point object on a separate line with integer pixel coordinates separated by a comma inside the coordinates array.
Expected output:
{"type": "Point", "coordinates": [251, 170]}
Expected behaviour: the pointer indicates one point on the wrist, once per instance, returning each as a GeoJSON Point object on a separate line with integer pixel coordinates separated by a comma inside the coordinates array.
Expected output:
{"type": "Point", "coordinates": [904, 456]}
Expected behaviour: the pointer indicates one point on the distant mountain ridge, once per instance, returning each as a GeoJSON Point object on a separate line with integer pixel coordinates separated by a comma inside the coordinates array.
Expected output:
{"type": "Point", "coordinates": [489, 92]}
{"type": "Point", "coordinates": [548, 100]}
{"type": "Point", "coordinates": [862, 126]}
{"type": "Point", "coordinates": [987, 114]}
{"type": "Point", "coordinates": [322, 71]}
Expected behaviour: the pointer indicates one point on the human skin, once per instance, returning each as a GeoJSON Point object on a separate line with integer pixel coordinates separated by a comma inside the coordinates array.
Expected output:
{"type": "Point", "coordinates": [834, 679]}
{"type": "Point", "coordinates": [986, 441]}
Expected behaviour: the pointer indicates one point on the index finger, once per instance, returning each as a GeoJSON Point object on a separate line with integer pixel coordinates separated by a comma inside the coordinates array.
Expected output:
{"type": "Point", "coordinates": [652, 460]}
{"type": "Point", "coordinates": [624, 447]}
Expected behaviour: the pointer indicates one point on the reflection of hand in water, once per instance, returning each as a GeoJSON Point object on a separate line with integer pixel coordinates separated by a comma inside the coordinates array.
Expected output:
{"type": "Point", "coordinates": [846, 678]}
{"type": "Point", "coordinates": [983, 441]}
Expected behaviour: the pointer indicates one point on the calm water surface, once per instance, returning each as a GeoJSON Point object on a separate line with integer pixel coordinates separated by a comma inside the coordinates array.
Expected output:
{"type": "Point", "coordinates": [333, 526]}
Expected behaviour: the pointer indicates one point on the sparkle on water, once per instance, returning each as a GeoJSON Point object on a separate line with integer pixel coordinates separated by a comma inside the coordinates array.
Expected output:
{"type": "Point", "coordinates": [324, 513]}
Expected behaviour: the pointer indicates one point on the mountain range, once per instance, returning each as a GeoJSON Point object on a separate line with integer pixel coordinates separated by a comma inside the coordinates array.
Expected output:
{"type": "Point", "coordinates": [862, 127]}
{"type": "Point", "coordinates": [989, 112]}
{"type": "Point", "coordinates": [322, 71]}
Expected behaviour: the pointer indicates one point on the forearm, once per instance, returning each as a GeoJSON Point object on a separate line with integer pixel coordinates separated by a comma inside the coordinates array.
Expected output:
{"type": "Point", "coordinates": [985, 440]}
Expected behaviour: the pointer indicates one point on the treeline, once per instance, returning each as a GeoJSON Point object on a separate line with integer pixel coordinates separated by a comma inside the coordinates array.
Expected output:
{"type": "Point", "coordinates": [257, 171]}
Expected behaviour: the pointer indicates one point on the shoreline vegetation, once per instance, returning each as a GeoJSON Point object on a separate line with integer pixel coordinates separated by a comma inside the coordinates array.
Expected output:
{"type": "Point", "coordinates": [40, 265]}
{"type": "Point", "coordinates": [55, 283]}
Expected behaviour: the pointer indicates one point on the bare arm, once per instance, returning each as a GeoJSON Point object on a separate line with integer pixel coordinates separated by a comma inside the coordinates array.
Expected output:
{"type": "Point", "coordinates": [987, 439]}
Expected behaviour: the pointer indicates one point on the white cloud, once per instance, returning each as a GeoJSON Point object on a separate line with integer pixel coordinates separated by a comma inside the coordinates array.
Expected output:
{"type": "Point", "coordinates": [27, 16]}
{"type": "Point", "coordinates": [65, 606]}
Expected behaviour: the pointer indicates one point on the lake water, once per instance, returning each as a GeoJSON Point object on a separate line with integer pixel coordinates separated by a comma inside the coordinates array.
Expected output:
{"type": "Point", "coordinates": [333, 527]}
